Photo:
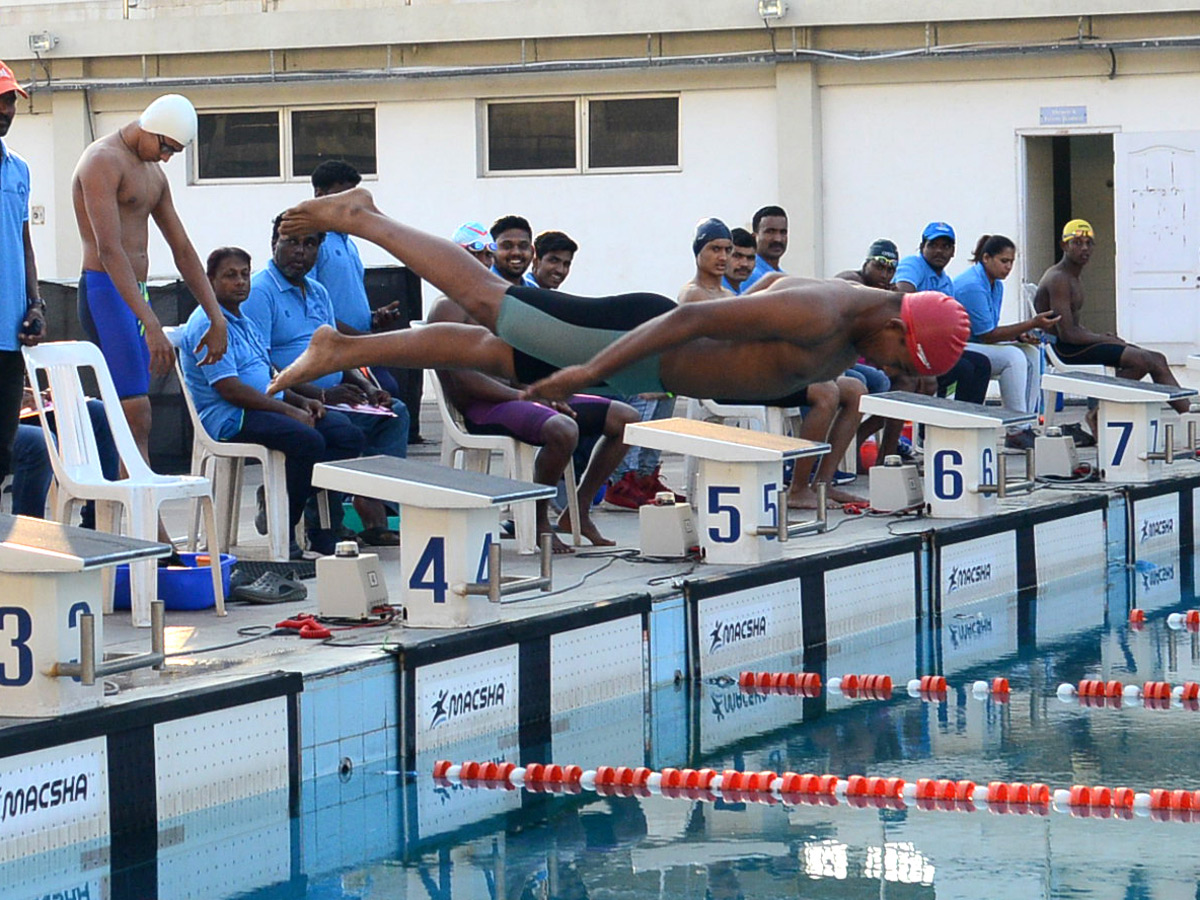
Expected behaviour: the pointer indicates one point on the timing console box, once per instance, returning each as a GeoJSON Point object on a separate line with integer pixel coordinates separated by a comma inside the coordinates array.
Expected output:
{"type": "Point", "coordinates": [895, 485]}
{"type": "Point", "coordinates": [666, 529]}
{"type": "Point", "coordinates": [350, 584]}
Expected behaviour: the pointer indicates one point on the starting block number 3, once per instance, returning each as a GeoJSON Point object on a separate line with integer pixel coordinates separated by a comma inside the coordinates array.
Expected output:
{"type": "Point", "coordinates": [16, 654]}
{"type": "Point", "coordinates": [948, 472]}
{"type": "Point", "coordinates": [429, 574]}
{"type": "Point", "coordinates": [722, 501]}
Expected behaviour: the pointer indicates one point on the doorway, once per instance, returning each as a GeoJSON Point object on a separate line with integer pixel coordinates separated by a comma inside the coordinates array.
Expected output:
{"type": "Point", "coordinates": [1070, 176]}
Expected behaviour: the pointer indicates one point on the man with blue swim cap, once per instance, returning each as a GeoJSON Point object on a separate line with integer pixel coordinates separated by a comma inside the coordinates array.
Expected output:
{"type": "Point", "coordinates": [711, 246]}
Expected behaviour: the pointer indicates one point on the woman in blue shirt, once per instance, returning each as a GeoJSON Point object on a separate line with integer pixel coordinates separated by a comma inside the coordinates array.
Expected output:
{"type": "Point", "coordinates": [1011, 349]}
{"type": "Point", "coordinates": [230, 393]}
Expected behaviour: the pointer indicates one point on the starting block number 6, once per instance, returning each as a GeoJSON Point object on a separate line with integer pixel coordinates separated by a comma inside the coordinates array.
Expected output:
{"type": "Point", "coordinates": [948, 480]}
{"type": "Point", "coordinates": [429, 574]}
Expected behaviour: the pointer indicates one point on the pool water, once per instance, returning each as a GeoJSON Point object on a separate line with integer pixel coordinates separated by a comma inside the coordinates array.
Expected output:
{"type": "Point", "coordinates": [384, 833]}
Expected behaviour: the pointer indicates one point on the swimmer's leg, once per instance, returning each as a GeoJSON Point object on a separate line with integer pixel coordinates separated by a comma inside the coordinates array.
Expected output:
{"type": "Point", "coordinates": [447, 266]}
{"type": "Point", "coordinates": [444, 345]}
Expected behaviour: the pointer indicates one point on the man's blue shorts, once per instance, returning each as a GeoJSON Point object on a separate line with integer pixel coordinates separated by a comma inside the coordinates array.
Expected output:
{"type": "Point", "coordinates": [109, 322]}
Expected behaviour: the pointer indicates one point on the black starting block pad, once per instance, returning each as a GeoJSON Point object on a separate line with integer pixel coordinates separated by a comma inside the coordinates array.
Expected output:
{"type": "Point", "coordinates": [1117, 390]}
{"type": "Point", "coordinates": [425, 485]}
{"type": "Point", "coordinates": [37, 545]}
{"type": "Point", "coordinates": [720, 443]}
{"type": "Point", "coordinates": [940, 411]}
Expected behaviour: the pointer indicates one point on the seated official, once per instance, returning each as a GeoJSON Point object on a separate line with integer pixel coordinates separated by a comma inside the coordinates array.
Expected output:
{"type": "Point", "coordinates": [287, 305]}
{"type": "Point", "coordinates": [230, 398]}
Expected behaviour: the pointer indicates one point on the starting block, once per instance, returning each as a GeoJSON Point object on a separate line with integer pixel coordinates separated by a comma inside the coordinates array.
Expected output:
{"type": "Point", "coordinates": [1128, 422]}
{"type": "Point", "coordinates": [449, 529]}
{"type": "Point", "coordinates": [964, 473]}
{"type": "Point", "coordinates": [50, 630]}
{"type": "Point", "coordinates": [741, 509]}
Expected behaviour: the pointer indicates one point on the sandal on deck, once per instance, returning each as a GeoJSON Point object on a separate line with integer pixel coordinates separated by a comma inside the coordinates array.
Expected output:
{"type": "Point", "coordinates": [270, 587]}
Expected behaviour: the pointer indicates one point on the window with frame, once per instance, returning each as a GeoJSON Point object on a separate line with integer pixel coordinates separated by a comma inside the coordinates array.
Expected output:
{"type": "Point", "coordinates": [283, 145]}
{"type": "Point", "coordinates": [582, 134]}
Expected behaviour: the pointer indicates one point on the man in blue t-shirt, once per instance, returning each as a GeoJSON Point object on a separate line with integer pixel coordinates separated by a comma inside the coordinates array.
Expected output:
{"type": "Point", "coordinates": [22, 312]}
{"type": "Point", "coordinates": [770, 226]}
{"type": "Point", "coordinates": [926, 271]}
{"type": "Point", "coordinates": [287, 306]}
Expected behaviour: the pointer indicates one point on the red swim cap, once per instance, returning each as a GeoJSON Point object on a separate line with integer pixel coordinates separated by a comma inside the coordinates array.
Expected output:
{"type": "Point", "coordinates": [937, 330]}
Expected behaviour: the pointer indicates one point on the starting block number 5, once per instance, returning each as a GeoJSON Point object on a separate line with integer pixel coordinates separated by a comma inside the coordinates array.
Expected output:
{"type": "Point", "coordinates": [722, 501]}
{"type": "Point", "coordinates": [429, 574]}
{"type": "Point", "coordinates": [949, 482]}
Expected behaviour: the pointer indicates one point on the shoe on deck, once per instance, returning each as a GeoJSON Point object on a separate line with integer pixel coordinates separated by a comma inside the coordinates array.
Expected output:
{"type": "Point", "coordinates": [653, 484]}
{"type": "Point", "coordinates": [625, 493]}
{"type": "Point", "coordinates": [1019, 440]}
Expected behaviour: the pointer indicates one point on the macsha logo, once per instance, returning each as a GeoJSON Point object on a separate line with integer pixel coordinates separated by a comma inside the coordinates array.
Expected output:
{"type": "Point", "coordinates": [725, 633]}
{"type": "Point", "coordinates": [450, 706]}
{"type": "Point", "coordinates": [965, 576]}
{"type": "Point", "coordinates": [1152, 528]}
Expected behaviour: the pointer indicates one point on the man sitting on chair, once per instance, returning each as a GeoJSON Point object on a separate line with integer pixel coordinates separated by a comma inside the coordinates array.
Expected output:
{"type": "Point", "coordinates": [491, 406]}
{"type": "Point", "coordinates": [230, 394]}
{"type": "Point", "coordinates": [1061, 291]}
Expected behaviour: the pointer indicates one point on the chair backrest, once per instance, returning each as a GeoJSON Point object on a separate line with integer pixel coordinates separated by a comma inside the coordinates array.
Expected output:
{"type": "Point", "coordinates": [174, 334]}
{"type": "Point", "coordinates": [77, 460]}
{"type": "Point", "coordinates": [452, 420]}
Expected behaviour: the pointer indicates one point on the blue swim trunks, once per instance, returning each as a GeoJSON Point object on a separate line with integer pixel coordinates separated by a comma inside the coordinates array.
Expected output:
{"type": "Point", "coordinates": [109, 323]}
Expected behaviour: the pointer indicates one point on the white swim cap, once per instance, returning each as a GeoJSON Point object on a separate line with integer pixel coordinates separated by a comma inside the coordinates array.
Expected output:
{"type": "Point", "coordinates": [171, 115]}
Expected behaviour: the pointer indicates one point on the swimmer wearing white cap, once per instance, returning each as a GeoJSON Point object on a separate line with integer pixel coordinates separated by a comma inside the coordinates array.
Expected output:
{"type": "Point", "coordinates": [117, 186]}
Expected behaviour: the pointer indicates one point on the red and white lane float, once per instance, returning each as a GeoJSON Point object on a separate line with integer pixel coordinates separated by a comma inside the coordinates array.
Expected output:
{"type": "Point", "coordinates": [867, 687]}
{"type": "Point", "coordinates": [1189, 620]}
{"type": "Point", "coordinates": [792, 788]}
{"type": "Point", "coordinates": [1113, 693]}
{"type": "Point", "coordinates": [804, 684]}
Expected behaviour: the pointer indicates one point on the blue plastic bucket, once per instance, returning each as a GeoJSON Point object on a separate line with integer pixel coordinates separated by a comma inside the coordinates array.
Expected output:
{"type": "Point", "coordinates": [180, 587]}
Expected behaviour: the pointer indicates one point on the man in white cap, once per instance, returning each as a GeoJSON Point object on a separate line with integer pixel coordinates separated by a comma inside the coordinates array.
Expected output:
{"type": "Point", "coordinates": [117, 186]}
{"type": "Point", "coordinates": [22, 319]}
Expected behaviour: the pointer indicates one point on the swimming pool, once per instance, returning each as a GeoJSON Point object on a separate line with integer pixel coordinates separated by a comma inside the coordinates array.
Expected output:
{"type": "Point", "coordinates": [374, 831]}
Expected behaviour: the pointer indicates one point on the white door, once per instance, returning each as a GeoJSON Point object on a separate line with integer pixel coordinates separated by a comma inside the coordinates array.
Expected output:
{"type": "Point", "coordinates": [1158, 240]}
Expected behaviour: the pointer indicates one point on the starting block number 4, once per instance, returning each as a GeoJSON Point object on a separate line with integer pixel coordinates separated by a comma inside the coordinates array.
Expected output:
{"type": "Point", "coordinates": [429, 572]}
{"type": "Point", "coordinates": [724, 515]}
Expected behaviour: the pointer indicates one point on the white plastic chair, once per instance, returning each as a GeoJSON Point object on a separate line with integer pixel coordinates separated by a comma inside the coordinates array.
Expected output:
{"type": "Point", "coordinates": [76, 465]}
{"type": "Point", "coordinates": [755, 417]}
{"type": "Point", "coordinates": [224, 464]}
{"type": "Point", "coordinates": [1050, 358]}
{"type": "Point", "coordinates": [461, 449]}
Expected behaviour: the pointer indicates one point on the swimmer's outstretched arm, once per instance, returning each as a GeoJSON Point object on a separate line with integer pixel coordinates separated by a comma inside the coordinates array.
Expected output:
{"type": "Point", "coordinates": [450, 268]}
{"type": "Point", "coordinates": [761, 317]}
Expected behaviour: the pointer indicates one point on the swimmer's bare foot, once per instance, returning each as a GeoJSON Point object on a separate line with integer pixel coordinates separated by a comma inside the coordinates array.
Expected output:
{"type": "Point", "coordinates": [840, 496]}
{"type": "Point", "coordinates": [806, 498]}
{"type": "Point", "coordinates": [319, 358]}
{"type": "Point", "coordinates": [587, 528]}
{"type": "Point", "coordinates": [334, 212]}
{"type": "Point", "coordinates": [557, 547]}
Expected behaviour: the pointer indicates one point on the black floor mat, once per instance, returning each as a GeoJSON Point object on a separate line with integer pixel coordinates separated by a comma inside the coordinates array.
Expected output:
{"type": "Point", "coordinates": [300, 570]}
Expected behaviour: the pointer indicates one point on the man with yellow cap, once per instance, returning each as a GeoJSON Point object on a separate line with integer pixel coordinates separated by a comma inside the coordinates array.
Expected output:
{"type": "Point", "coordinates": [1061, 291]}
{"type": "Point", "coordinates": [22, 319]}
{"type": "Point", "coordinates": [117, 186]}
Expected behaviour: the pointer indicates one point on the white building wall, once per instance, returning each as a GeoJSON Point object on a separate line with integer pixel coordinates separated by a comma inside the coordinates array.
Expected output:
{"type": "Point", "coordinates": [33, 138]}
{"type": "Point", "coordinates": [635, 231]}
{"type": "Point", "coordinates": [897, 156]}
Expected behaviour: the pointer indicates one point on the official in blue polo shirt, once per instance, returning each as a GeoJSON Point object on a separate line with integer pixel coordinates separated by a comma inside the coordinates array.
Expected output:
{"type": "Point", "coordinates": [926, 271]}
{"type": "Point", "coordinates": [770, 226]}
{"type": "Point", "coordinates": [230, 394]}
{"type": "Point", "coordinates": [287, 306]}
{"type": "Point", "coordinates": [22, 319]}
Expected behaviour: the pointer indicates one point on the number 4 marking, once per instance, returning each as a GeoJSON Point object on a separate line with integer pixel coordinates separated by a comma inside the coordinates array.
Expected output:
{"type": "Point", "coordinates": [432, 564]}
